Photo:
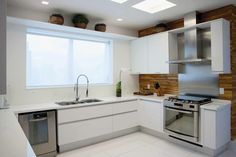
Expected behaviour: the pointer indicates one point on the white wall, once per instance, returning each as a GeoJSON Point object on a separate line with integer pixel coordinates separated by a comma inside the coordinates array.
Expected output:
{"type": "Point", "coordinates": [44, 16]}
{"type": "Point", "coordinates": [17, 94]}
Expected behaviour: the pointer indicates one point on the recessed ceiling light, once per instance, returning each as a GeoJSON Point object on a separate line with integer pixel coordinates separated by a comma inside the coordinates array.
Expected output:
{"type": "Point", "coordinates": [153, 6]}
{"type": "Point", "coordinates": [119, 1]}
{"type": "Point", "coordinates": [45, 2]}
{"type": "Point", "coordinates": [119, 19]}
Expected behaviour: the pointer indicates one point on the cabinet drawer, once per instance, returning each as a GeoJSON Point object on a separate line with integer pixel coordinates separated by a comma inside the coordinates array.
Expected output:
{"type": "Point", "coordinates": [125, 121]}
{"type": "Point", "coordinates": [76, 114]}
{"type": "Point", "coordinates": [125, 107]}
{"type": "Point", "coordinates": [78, 131]}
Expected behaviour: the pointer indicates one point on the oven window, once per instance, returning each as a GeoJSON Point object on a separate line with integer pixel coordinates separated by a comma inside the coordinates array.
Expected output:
{"type": "Point", "coordinates": [178, 121]}
{"type": "Point", "coordinates": [38, 131]}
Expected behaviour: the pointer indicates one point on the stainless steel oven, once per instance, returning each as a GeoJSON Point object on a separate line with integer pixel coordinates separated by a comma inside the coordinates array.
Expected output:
{"type": "Point", "coordinates": [181, 117]}
{"type": "Point", "coordinates": [40, 129]}
{"type": "Point", "coordinates": [183, 124]}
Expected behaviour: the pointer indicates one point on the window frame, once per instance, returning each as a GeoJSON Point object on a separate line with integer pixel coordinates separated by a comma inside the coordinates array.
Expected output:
{"type": "Point", "coordinates": [71, 37]}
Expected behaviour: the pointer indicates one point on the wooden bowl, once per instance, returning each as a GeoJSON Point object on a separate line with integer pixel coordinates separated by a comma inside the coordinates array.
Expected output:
{"type": "Point", "coordinates": [56, 19]}
{"type": "Point", "coordinates": [101, 27]}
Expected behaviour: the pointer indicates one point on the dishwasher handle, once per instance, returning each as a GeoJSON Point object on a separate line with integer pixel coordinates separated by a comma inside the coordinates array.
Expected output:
{"type": "Point", "coordinates": [37, 117]}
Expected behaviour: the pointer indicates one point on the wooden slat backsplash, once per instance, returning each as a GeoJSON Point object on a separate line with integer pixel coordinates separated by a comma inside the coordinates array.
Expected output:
{"type": "Point", "coordinates": [169, 83]}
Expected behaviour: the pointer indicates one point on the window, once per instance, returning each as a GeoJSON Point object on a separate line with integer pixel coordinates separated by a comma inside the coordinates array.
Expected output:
{"type": "Point", "coordinates": [58, 60]}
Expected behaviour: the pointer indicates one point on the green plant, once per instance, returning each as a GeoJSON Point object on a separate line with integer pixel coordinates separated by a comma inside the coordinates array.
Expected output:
{"type": "Point", "coordinates": [118, 89]}
{"type": "Point", "coordinates": [80, 18]}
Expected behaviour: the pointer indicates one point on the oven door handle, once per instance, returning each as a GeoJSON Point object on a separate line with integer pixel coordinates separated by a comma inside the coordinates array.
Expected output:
{"type": "Point", "coordinates": [171, 109]}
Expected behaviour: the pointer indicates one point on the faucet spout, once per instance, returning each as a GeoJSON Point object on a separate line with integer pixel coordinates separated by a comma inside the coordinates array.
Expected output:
{"type": "Point", "coordinates": [77, 87]}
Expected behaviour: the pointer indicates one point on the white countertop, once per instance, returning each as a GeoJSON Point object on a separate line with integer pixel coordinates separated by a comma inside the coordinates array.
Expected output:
{"type": "Point", "coordinates": [216, 104]}
{"type": "Point", "coordinates": [13, 142]}
{"type": "Point", "coordinates": [53, 106]}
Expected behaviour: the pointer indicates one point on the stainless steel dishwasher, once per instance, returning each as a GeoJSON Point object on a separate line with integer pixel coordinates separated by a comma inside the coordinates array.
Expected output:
{"type": "Point", "coordinates": [40, 129]}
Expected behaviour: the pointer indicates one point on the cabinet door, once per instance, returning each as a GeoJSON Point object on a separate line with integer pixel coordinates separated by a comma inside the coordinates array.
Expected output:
{"type": "Point", "coordinates": [215, 127]}
{"type": "Point", "coordinates": [125, 107]}
{"type": "Point", "coordinates": [3, 47]}
{"type": "Point", "coordinates": [125, 121]}
{"type": "Point", "coordinates": [82, 130]}
{"type": "Point", "coordinates": [220, 47]}
{"type": "Point", "coordinates": [151, 115]}
{"type": "Point", "coordinates": [139, 56]}
{"type": "Point", "coordinates": [83, 113]}
{"type": "Point", "coordinates": [158, 55]}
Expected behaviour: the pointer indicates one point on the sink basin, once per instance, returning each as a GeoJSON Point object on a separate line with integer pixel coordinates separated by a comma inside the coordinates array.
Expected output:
{"type": "Point", "coordinates": [65, 103]}
{"type": "Point", "coordinates": [90, 100]}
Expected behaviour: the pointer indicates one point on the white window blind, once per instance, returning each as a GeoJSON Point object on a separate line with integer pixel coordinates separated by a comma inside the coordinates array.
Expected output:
{"type": "Point", "coordinates": [57, 60]}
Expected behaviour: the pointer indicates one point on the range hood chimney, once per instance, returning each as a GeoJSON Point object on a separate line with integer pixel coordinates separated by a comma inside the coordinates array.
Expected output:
{"type": "Point", "coordinates": [190, 37]}
{"type": "Point", "coordinates": [192, 44]}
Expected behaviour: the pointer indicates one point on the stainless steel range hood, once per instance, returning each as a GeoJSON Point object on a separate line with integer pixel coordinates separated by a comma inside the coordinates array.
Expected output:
{"type": "Point", "coordinates": [192, 44]}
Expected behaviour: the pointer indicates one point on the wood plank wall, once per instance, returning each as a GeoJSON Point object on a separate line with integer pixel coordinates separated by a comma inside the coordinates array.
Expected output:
{"type": "Point", "coordinates": [169, 83]}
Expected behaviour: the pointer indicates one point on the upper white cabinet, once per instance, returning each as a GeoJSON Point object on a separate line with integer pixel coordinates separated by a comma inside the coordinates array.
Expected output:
{"type": "Point", "coordinates": [220, 45]}
{"type": "Point", "coordinates": [151, 115]}
{"type": "Point", "coordinates": [139, 55]}
{"type": "Point", "coordinates": [150, 54]}
{"type": "Point", "coordinates": [3, 47]}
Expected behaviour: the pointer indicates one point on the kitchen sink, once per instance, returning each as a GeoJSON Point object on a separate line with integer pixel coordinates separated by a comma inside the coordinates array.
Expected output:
{"type": "Point", "coordinates": [90, 100]}
{"type": "Point", "coordinates": [65, 103]}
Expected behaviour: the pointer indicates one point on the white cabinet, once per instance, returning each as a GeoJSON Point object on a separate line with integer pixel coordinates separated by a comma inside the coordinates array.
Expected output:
{"type": "Point", "coordinates": [3, 57]}
{"type": "Point", "coordinates": [220, 45]}
{"type": "Point", "coordinates": [81, 113]}
{"type": "Point", "coordinates": [139, 55]}
{"type": "Point", "coordinates": [150, 54]}
{"type": "Point", "coordinates": [126, 106]}
{"type": "Point", "coordinates": [125, 115]}
{"type": "Point", "coordinates": [151, 115]}
{"type": "Point", "coordinates": [215, 127]}
{"type": "Point", "coordinates": [159, 49]}
{"type": "Point", "coordinates": [78, 124]}
{"type": "Point", "coordinates": [81, 130]}
{"type": "Point", "coordinates": [125, 121]}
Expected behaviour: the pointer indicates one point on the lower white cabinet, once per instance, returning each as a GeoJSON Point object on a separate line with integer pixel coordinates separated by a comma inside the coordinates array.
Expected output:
{"type": "Point", "coordinates": [126, 106]}
{"type": "Point", "coordinates": [125, 121]}
{"type": "Point", "coordinates": [81, 130]}
{"type": "Point", "coordinates": [78, 124]}
{"type": "Point", "coordinates": [151, 115]}
{"type": "Point", "coordinates": [215, 127]}
{"type": "Point", "coordinates": [81, 113]}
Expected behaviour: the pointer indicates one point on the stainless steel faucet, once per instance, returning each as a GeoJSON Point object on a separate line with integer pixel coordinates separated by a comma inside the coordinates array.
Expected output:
{"type": "Point", "coordinates": [77, 86]}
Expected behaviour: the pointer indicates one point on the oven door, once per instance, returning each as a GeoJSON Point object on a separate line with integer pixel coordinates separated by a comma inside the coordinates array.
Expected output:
{"type": "Point", "coordinates": [182, 124]}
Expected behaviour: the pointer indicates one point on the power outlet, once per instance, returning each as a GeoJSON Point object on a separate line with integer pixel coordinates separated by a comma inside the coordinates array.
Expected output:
{"type": "Point", "coordinates": [222, 91]}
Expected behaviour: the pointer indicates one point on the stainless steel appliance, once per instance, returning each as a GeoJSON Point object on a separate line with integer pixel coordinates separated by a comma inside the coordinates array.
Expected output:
{"type": "Point", "coordinates": [181, 116]}
{"type": "Point", "coordinates": [40, 129]}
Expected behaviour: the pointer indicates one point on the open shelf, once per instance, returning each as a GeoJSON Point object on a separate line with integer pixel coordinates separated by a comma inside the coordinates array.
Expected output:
{"type": "Point", "coordinates": [66, 29]}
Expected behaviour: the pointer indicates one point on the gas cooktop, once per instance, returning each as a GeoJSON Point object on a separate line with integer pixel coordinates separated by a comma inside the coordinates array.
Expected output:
{"type": "Point", "coordinates": [189, 99]}
{"type": "Point", "coordinates": [190, 103]}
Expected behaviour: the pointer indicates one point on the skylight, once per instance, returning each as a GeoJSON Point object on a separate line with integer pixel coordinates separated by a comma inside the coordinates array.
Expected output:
{"type": "Point", "coordinates": [154, 6]}
{"type": "Point", "coordinates": [119, 1]}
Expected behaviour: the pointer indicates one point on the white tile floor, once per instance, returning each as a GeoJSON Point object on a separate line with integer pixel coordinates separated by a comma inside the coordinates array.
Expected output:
{"type": "Point", "coordinates": [140, 145]}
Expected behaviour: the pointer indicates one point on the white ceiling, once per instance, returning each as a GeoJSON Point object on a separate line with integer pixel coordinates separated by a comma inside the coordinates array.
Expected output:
{"type": "Point", "coordinates": [108, 11]}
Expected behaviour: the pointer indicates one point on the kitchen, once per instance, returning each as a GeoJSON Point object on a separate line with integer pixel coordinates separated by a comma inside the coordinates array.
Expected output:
{"type": "Point", "coordinates": [136, 87]}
